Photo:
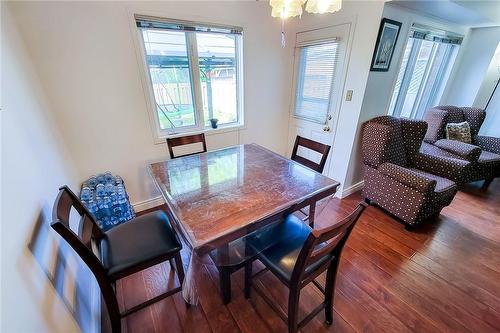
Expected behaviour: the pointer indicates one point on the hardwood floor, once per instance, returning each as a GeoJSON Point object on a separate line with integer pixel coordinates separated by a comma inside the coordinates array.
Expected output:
{"type": "Point", "coordinates": [443, 277]}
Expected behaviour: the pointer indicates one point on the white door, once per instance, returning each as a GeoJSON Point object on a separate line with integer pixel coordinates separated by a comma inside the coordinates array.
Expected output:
{"type": "Point", "coordinates": [319, 70]}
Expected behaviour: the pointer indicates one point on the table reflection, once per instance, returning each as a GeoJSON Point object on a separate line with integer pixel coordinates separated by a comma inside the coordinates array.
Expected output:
{"type": "Point", "coordinates": [219, 193]}
{"type": "Point", "coordinates": [203, 172]}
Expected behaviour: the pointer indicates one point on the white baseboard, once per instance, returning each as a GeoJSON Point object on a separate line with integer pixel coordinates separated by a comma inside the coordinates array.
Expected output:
{"type": "Point", "coordinates": [350, 190]}
{"type": "Point", "coordinates": [147, 204]}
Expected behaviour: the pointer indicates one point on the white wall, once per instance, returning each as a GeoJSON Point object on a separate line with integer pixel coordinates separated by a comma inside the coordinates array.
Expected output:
{"type": "Point", "coordinates": [491, 125]}
{"type": "Point", "coordinates": [381, 84]}
{"type": "Point", "coordinates": [34, 164]}
{"type": "Point", "coordinates": [364, 17]}
{"type": "Point", "coordinates": [489, 81]}
{"type": "Point", "coordinates": [474, 58]}
{"type": "Point", "coordinates": [85, 55]}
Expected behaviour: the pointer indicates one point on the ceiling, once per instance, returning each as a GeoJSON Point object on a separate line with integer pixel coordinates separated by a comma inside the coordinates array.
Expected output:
{"type": "Point", "coordinates": [474, 13]}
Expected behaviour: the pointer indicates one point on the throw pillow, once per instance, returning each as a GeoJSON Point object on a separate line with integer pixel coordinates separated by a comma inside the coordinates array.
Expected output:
{"type": "Point", "coordinates": [458, 132]}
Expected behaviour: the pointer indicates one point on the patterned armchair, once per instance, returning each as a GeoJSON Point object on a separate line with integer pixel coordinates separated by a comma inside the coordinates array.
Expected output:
{"type": "Point", "coordinates": [399, 178]}
{"type": "Point", "coordinates": [483, 152]}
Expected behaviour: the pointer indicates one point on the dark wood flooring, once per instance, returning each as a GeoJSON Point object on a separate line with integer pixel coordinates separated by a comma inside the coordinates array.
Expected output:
{"type": "Point", "coordinates": [443, 277]}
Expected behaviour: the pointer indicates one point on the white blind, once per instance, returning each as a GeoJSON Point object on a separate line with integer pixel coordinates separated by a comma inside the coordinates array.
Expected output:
{"type": "Point", "coordinates": [316, 71]}
{"type": "Point", "coordinates": [419, 31]}
{"type": "Point", "coordinates": [147, 22]}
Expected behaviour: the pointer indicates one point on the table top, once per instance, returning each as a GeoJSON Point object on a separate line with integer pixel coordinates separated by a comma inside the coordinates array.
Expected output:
{"type": "Point", "coordinates": [218, 196]}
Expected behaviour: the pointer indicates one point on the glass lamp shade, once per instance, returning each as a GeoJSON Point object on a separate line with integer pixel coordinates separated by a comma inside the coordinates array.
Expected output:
{"type": "Point", "coordinates": [286, 8]}
{"type": "Point", "coordinates": [323, 6]}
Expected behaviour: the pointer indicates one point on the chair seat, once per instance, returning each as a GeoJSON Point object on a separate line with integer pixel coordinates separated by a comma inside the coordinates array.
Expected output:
{"type": "Point", "coordinates": [442, 184]}
{"type": "Point", "coordinates": [288, 238]}
{"type": "Point", "coordinates": [488, 157]}
{"type": "Point", "coordinates": [138, 244]}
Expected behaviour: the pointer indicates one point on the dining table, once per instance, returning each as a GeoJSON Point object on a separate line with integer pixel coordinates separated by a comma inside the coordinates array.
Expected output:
{"type": "Point", "coordinates": [215, 200]}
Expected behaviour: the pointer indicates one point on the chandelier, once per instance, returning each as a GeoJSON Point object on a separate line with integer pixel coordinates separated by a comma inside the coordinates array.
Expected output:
{"type": "Point", "coordinates": [291, 8]}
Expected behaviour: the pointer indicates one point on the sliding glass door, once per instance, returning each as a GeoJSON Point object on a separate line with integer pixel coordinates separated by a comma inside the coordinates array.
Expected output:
{"type": "Point", "coordinates": [423, 73]}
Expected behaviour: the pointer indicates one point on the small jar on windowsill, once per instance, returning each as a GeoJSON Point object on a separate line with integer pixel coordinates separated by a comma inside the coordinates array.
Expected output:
{"type": "Point", "coordinates": [213, 122]}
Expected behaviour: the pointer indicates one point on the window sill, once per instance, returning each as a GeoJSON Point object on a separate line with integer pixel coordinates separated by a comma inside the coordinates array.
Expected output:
{"type": "Point", "coordinates": [207, 131]}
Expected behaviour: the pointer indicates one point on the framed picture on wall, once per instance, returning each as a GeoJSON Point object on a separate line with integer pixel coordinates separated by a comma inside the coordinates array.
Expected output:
{"type": "Point", "coordinates": [386, 42]}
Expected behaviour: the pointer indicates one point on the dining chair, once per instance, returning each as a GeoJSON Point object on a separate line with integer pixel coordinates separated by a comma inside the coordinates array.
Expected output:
{"type": "Point", "coordinates": [298, 259]}
{"type": "Point", "coordinates": [186, 140]}
{"type": "Point", "coordinates": [318, 167]}
{"type": "Point", "coordinates": [226, 270]}
{"type": "Point", "coordinates": [128, 248]}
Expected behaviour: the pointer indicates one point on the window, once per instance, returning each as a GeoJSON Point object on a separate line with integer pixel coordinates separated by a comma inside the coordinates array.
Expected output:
{"type": "Point", "coordinates": [194, 75]}
{"type": "Point", "coordinates": [316, 70]}
{"type": "Point", "coordinates": [425, 67]}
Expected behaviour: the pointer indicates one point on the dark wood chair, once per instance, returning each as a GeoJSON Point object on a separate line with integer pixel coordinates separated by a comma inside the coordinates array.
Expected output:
{"type": "Point", "coordinates": [318, 167]}
{"type": "Point", "coordinates": [298, 259]}
{"type": "Point", "coordinates": [225, 271]}
{"type": "Point", "coordinates": [186, 140]}
{"type": "Point", "coordinates": [126, 249]}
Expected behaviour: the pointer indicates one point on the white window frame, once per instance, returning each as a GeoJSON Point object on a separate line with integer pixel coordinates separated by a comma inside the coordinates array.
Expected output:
{"type": "Point", "coordinates": [160, 135]}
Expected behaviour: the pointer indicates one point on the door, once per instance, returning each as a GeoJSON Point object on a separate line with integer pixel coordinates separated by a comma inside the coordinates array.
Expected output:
{"type": "Point", "coordinates": [319, 63]}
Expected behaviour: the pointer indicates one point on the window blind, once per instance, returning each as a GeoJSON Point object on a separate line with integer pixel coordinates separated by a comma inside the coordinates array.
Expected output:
{"type": "Point", "coordinates": [147, 22]}
{"type": "Point", "coordinates": [316, 71]}
{"type": "Point", "coordinates": [419, 31]}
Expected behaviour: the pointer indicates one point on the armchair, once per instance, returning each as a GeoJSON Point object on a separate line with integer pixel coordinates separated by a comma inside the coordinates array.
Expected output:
{"type": "Point", "coordinates": [401, 179]}
{"type": "Point", "coordinates": [483, 152]}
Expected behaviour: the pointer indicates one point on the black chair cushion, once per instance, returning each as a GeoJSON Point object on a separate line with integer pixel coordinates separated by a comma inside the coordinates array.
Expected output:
{"type": "Point", "coordinates": [142, 242]}
{"type": "Point", "coordinates": [287, 239]}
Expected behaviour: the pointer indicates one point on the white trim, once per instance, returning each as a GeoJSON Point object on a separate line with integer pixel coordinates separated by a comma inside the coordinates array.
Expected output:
{"type": "Point", "coordinates": [342, 193]}
{"type": "Point", "coordinates": [196, 89]}
{"type": "Point", "coordinates": [191, 25]}
{"type": "Point", "coordinates": [142, 66]}
{"type": "Point", "coordinates": [315, 42]}
{"type": "Point", "coordinates": [148, 204]}
{"type": "Point", "coordinates": [207, 131]}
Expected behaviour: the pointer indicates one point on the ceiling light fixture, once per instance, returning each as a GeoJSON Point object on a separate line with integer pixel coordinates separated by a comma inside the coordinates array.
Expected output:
{"type": "Point", "coordinates": [291, 8]}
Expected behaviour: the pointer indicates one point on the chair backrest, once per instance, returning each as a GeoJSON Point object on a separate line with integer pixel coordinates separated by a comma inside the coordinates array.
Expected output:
{"type": "Point", "coordinates": [439, 116]}
{"type": "Point", "coordinates": [88, 230]}
{"type": "Point", "coordinates": [88, 233]}
{"type": "Point", "coordinates": [436, 120]}
{"type": "Point", "coordinates": [382, 141]}
{"type": "Point", "coordinates": [325, 242]}
{"type": "Point", "coordinates": [454, 114]}
{"type": "Point", "coordinates": [186, 140]}
{"type": "Point", "coordinates": [413, 136]}
{"type": "Point", "coordinates": [475, 117]}
{"type": "Point", "coordinates": [315, 146]}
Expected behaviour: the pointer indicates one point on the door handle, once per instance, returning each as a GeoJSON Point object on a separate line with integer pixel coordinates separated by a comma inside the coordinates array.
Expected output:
{"type": "Point", "coordinates": [326, 128]}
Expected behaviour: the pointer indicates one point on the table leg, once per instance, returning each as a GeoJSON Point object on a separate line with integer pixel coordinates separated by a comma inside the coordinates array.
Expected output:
{"type": "Point", "coordinates": [224, 274]}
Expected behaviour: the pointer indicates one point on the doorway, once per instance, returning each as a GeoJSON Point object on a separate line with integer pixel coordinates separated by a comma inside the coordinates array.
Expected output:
{"type": "Point", "coordinates": [319, 66]}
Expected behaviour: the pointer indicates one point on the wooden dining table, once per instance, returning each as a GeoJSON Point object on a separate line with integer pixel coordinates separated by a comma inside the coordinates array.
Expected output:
{"type": "Point", "coordinates": [220, 196]}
